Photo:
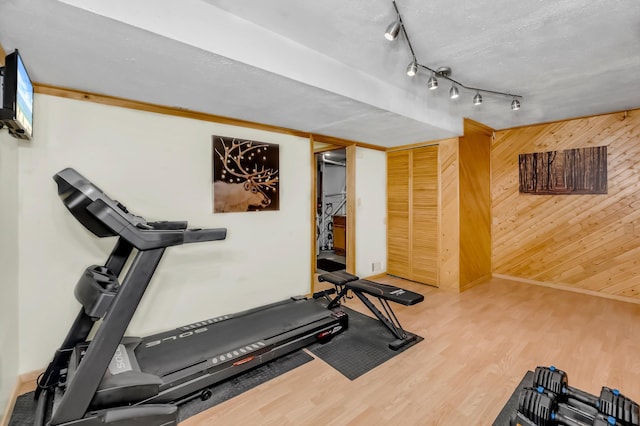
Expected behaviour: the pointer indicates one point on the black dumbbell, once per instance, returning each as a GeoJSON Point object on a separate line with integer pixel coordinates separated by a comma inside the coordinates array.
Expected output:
{"type": "Point", "coordinates": [539, 407]}
{"type": "Point", "coordinates": [610, 402]}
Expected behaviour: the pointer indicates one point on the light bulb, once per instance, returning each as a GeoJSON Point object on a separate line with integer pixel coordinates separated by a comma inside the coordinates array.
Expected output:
{"type": "Point", "coordinates": [412, 68]}
{"type": "Point", "coordinates": [454, 92]}
{"type": "Point", "coordinates": [432, 84]}
{"type": "Point", "coordinates": [477, 99]}
{"type": "Point", "coordinates": [392, 30]}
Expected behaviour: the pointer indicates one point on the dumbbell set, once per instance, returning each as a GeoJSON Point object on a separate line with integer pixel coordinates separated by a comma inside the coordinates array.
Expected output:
{"type": "Point", "coordinates": [551, 401]}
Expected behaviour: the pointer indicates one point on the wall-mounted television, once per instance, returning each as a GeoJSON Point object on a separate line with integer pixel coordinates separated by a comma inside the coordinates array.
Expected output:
{"type": "Point", "coordinates": [17, 97]}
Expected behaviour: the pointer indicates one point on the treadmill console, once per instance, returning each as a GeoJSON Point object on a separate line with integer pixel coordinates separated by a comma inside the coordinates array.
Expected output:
{"type": "Point", "coordinates": [77, 193]}
{"type": "Point", "coordinates": [105, 217]}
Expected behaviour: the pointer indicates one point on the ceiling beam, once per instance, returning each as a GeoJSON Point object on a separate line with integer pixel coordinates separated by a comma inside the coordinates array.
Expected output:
{"type": "Point", "coordinates": [204, 26]}
{"type": "Point", "coordinates": [180, 112]}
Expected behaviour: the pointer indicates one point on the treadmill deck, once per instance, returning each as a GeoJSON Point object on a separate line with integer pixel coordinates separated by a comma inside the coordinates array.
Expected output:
{"type": "Point", "coordinates": [171, 351]}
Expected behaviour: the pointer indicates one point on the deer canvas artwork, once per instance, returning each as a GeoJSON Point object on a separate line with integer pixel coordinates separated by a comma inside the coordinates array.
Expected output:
{"type": "Point", "coordinates": [245, 175]}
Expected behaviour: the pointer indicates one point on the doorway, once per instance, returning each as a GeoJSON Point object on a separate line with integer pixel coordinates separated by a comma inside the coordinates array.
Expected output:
{"type": "Point", "coordinates": [331, 209]}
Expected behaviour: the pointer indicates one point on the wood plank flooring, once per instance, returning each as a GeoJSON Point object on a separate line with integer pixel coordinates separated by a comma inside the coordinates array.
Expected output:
{"type": "Point", "coordinates": [478, 345]}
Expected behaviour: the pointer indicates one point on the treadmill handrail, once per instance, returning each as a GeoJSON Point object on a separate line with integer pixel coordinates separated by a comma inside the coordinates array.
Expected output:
{"type": "Point", "coordinates": [168, 224]}
{"type": "Point", "coordinates": [147, 239]}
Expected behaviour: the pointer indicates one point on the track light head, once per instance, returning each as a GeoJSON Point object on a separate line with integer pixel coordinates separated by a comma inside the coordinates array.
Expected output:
{"type": "Point", "coordinates": [393, 30]}
{"type": "Point", "coordinates": [412, 68]}
{"type": "Point", "coordinates": [444, 71]}
{"type": "Point", "coordinates": [432, 83]}
{"type": "Point", "coordinates": [454, 93]}
{"type": "Point", "coordinates": [477, 99]}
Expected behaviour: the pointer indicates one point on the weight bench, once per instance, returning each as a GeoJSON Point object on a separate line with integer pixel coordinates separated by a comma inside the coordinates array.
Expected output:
{"type": "Point", "coordinates": [345, 282]}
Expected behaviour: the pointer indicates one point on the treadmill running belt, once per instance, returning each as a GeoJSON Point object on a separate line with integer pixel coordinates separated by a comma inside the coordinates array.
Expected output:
{"type": "Point", "coordinates": [178, 349]}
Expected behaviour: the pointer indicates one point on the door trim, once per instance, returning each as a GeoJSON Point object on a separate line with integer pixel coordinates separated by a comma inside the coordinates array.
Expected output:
{"type": "Point", "coordinates": [350, 255]}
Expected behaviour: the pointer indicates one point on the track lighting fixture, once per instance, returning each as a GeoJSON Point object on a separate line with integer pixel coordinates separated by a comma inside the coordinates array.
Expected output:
{"type": "Point", "coordinates": [412, 68]}
{"type": "Point", "coordinates": [477, 99]}
{"type": "Point", "coordinates": [393, 30]}
{"type": "Point", "coordinates": [454, 93]}
{"type": "Point", "coordinates": [432, 84]}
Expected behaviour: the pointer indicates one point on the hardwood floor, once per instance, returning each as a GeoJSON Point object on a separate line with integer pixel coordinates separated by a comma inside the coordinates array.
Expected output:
{"type": "Point", "coordinates": [477, 347]}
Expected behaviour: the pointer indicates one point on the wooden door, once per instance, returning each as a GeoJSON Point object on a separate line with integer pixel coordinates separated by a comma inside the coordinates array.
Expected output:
{"type": "Point", "coordinates": [412, 214]}
{"type": "Point", "coordinates": [398, 229]}
{"type": "Point", "coordinates": [424, 215]}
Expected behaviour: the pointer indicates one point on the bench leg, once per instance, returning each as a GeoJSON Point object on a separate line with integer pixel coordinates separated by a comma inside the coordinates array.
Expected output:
{"type": "Point", "coordinates": [389, 320]}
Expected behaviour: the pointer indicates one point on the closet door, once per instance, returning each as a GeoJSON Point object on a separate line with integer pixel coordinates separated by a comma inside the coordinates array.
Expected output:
{"type": "Point", "coordinates": [398, 202]}
{"type": "Point", "coordinates": [424, 215]}
{"type": "Point", "coordinates": [412, 214]}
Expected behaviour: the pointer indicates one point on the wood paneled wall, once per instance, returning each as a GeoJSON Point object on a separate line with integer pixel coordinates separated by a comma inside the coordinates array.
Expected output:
{"type": "Point", "coordinates": [465, 208]}
{"type": "Point", "coordinates": [475, 204]}
{"type": "Point", "coordinates": [449, 250]}
{"type": "Point", "coordinates": [588, 242]}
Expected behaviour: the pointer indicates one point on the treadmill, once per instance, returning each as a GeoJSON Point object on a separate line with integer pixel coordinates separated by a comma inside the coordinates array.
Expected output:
{"type": "Point", "coordinates": [116, 380]}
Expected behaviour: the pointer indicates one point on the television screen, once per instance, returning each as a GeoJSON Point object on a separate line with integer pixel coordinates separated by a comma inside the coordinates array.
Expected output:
{"type": "Point", "coordinates": [24, 99]}
{"type": "Point", "coordinates": [17, 108]}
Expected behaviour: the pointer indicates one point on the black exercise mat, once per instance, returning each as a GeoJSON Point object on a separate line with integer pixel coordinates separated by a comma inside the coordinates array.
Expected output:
{"type": "Point", "coordinates": [244, 382]}
{"type": "Point", "coordinates": [364, 346]}
{"type": "Point", "coordinates": [23, 410]}
{"type": "Point", "coordinates": [330, 265]}
{"type": "Point", "coordinates": [511, 406]}
{"type": "Point", "coordinates": [25, 405]}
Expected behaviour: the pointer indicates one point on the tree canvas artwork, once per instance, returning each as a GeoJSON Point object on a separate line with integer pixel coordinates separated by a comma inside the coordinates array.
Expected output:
{"type": "Point", "coordinates": [573, 171]}
{"type": "Point", "coordinates": [245, 175]}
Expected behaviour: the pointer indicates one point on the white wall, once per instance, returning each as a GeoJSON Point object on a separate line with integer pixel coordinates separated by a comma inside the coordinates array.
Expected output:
{"type": "Point", "coordinates": [8, 266]}
{"type": "Point", "coordinates": [160, 168]}
{"type": "Point", "coordinates": [371, 211]}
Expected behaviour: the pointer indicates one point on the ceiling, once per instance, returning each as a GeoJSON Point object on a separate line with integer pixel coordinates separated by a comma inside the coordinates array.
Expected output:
{"type": "Point", "coordinates": [325, 66]}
